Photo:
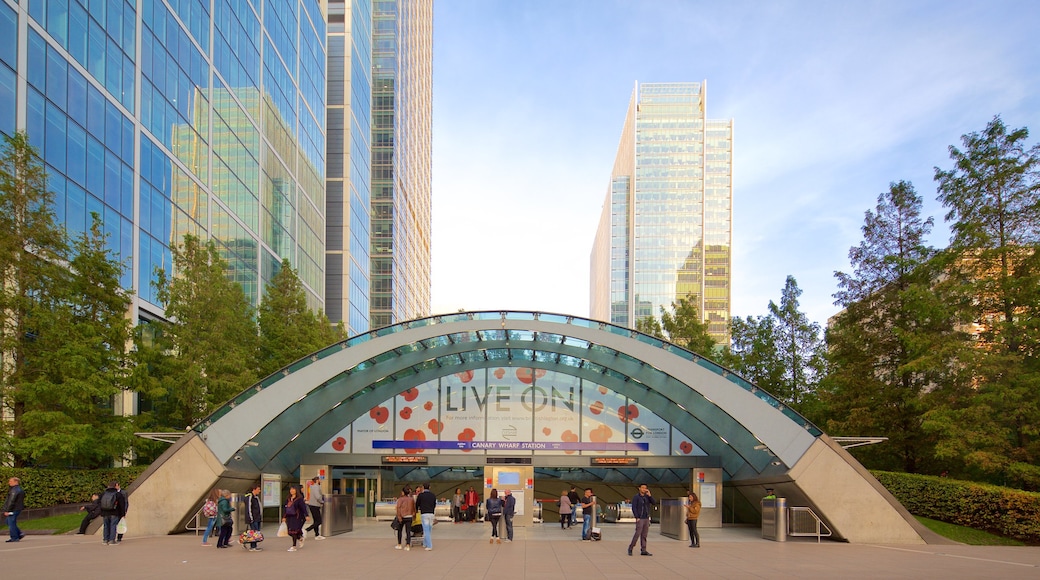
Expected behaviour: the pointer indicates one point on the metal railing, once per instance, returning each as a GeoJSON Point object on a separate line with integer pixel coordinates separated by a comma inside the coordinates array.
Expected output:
{"type": "Point", "coordinates": [198, 523]}
{"type": "Point", "coordinates": [802, 521]}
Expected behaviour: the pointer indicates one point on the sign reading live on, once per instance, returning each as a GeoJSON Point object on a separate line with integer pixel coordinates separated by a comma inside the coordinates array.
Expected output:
{"type": "Point", "coordinates": [510, 445]}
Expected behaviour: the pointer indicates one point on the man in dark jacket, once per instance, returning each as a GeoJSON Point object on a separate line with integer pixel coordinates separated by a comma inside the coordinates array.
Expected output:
{"type": "Point", "coordinates": [13, 505]}
{"type": "Point", "coordinates": [93, 510]}
{"type": "Point", "coordinates": [254, 513]}
{"type": "Point", "coordinates": [573, 496]}
{"type": "Point", "coordinates": [641, 512]}
{"type": "Point", "coordinates": [426, 504]}
{"type": "Point", "coordinates": [508, 511]}
{"type": "Point", "coordinates": [113, 507]}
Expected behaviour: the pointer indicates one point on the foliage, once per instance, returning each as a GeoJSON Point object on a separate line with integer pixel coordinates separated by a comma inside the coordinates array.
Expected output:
{"type": "Point", "coordinates": [999, 510]}
{"type": "Point", "coordinates": [993, 197]}
{"type": "Point", "coordinates": [49, 487]}
{"type": "Point", "coordinates": [62, 524]}
{"type": "Point", "coordinates": [895, 341]}
{"type": "Point", "coordinates": [289, 330]}
{"type": "Point", "coordinates": [966, 535]}
{"type": "Point", "coordinates": [206, 353]}
{"type": "Point", "coordinates": [684, 327]}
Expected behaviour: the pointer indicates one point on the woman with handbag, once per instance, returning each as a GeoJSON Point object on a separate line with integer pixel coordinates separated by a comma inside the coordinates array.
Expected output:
{"type": "Point", "coordinates": [494, 512]}
{"type": "Point", "coordinates": [209, 511]}
{"type": "Point", "coordinates": [403, 521]}
{"type": "Point", "coordinates": [224, 510]}
{"type": "Point", "coordinates": [295, 516]}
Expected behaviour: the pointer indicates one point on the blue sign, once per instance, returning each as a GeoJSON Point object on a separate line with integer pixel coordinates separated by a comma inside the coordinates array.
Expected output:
{"type": "Point", "coordinates": [510, 445]}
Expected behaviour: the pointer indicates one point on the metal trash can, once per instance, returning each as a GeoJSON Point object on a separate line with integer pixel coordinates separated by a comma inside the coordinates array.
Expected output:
{"type": "Point", "coordinates": [673, 518]}
{"type": "Point", "coordinates": [774, 519]}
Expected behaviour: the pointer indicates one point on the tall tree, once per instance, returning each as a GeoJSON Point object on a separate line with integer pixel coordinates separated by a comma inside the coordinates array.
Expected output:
{"type": "Point", "coordinates": [684, 327]}
{"type": "Point", "coordinates": [798, 343]}
{"type": "Point", "coordinates": [288, 328]}
{"type": "Point", "coordinates": [33, 251]}
{"type": "Point", "coordinates": [992, 194]}
{"type": "Point", "coordinates": [207, 351]}
{"type": "Point", "coordinates": [895, 338]}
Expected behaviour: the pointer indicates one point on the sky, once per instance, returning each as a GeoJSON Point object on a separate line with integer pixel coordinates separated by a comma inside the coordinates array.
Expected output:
{"type": "Point", "coordinates": [831, 102]}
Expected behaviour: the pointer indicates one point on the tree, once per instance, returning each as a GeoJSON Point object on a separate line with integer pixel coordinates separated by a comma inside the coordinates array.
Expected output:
{"type": "Point", "coordinates": [684, 327]}
{"type": "Point", "coordinates": [289, 330]}
{"type": "Point", "coordinates": [894, 342]}
{"type": "Point", "coordinates": [33, 251]}
{"type": "Point", "coordinates": [207, 351]}
{"type": "Point", "coordinates": [992, 194]}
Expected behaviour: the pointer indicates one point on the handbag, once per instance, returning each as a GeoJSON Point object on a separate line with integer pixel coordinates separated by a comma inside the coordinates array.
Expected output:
{"type": "Point", "coordinates": [121, 526]}
{"type": "Point", "coordinates": [227, 521]}
{"type": "Point", "coordinates": [396, 524]}
{"type": "Point", "coordinates": [283, 530]}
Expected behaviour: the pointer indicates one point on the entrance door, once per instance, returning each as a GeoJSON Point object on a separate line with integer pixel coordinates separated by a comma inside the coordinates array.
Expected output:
{"type": "Point", "coordinates": [363, 491]}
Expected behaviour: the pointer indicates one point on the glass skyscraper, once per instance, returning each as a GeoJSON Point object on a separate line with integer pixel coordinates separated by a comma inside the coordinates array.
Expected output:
{"type": "Point", "coordinates": [665, 231]}
{"type": "Point", "coordinates": [174, 117]}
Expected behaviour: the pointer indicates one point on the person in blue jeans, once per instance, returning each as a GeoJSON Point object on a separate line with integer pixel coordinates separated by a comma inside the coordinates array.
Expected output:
{"type": "Point", "coordinates": [209, 511]}
{"type": "Point", "coordinates": [426, 504]}
{"type": "Point", "coordinates": [13, 505]}
{"type": "Point", "coordinates": [588, 509]}
{"type": "Point", "coordinates": [254, 513]}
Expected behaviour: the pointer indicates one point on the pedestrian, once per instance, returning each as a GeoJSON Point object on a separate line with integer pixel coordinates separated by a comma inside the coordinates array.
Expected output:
{"type": "Point", "coordinates": [209, 511]}
{"type": "Point", "coordinates": [508, 511]}
{"type": "Point", "coordinates": [588, 514]}
{"type": "Point", "coordinates": [566, 511]}
{"type": "Point", "coordinates": [457, 506]}
{"type": "Point", "coordinates": [126, 508]}
{"type": "Point", "coordinates": [493, 509]}
{"type": "Point", "coordinates": [405, 512]}
{"type": "Point", "coordinates": [254, 514]}
{"type": "Point", "coordinates": [295, 516]}
{"type": "Point", "coordinates": [693, 511]}
{"type": "Point", "coordinates": [224, 510]}
{"type": "Point", "coordinates": [472, 501]}
{"type": "Point", "coordinates": [426, 503]}
{"type": "Point", "coordinates": [575, 500]}
{"type": "Point", "coordinates": [93, 510]}
{"type": "Point", "coordinates": [641, 503]}
{"type": "Point", "coordinates": [112, 510]}
{"type": "Point", "coordinates": [13, 505]}
{"type": "Point", "coordinates": [315, 502]}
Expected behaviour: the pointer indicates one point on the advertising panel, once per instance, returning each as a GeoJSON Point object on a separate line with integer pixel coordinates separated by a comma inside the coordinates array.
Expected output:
{"type": "Point", "coordinates": [556, 400]}
{"type": "Point", "coordinates": [463, 401]}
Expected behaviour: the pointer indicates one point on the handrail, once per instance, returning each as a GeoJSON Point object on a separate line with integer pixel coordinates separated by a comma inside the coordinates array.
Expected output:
{"type": "Point", "coordinates": [198, 523]}
{"type": "Point", "coordinates": [804, 522]}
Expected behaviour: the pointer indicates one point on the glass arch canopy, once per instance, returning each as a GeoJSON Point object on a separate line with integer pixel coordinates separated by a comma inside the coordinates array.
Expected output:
{"type": "Point", "coordinates": [488, 380]}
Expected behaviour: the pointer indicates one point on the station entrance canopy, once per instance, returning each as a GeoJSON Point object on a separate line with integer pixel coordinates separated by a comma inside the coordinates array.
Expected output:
{"type": "Point", "coordinates": [495, 383]}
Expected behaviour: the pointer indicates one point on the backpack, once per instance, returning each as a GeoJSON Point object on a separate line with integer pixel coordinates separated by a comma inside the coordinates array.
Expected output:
{"type": "Point", "coordinates": [109, 500]}
{"type": "Point", "coordinates": [210, 509]}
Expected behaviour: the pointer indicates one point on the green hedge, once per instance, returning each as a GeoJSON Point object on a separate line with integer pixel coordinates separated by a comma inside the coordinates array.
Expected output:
{"type": "Point", "coordinates": [1000, 510]}
{"type": "Point", "coordinates": [49, 487]}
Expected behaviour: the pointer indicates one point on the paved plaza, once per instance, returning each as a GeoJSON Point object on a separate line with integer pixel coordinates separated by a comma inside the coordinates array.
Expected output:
{"type": "Point", "coordinates": [543, 552]}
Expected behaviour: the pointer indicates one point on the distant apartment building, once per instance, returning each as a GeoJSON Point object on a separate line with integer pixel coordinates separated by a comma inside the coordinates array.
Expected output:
{"type": "Point", "coordinates": [665, 231]}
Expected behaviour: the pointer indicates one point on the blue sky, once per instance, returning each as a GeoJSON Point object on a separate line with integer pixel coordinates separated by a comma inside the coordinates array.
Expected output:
{"type": "Point", "coordinates": [832, 101]}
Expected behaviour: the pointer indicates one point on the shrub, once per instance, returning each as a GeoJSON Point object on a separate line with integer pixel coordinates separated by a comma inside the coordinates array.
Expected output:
{"type": "Point", "coordinates": [49, 487]}
{"type": "Point", "coordinates": [1000, 510]}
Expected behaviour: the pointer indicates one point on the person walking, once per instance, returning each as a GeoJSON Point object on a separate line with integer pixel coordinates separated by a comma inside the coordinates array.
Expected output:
{"type": "Point", "coordinates": [209, 510]}
{"type": "Point", "coordinates": [224, 510]}
{"type": "Point", "coordinates": [472, 501]}
{"type": "Point", "coordinates": [641, 503]}
{"type": "Point", "coordinates": [93, 510]}
{"type": "Point", "coordinates": [405, 512]}
{"type": "Point", "coordinates": [254, 514]}
{"type": "Point", "coordinates": [426, 503]}
{"type": "Point", "coordinates": [457, 506]}
{"type": "Point", "coordinates": [588, 515]}
{"type": "Point", "coordinates": [566, 511]}
{"type": "Point", "coordinates": [13, 505]}
{"type": "Point", "coordinates": [575, 500]}
{"type": "Point", "coordinates": [315, 502]}
{"type": "Point", "coordinates": [493, 509]}
{"type": "Point", "coordinates": [295, 516]}
{"type": "Point", "coordinates": [508, 511]}
{"type": "Point", "coordinates": [112, 509]}
{"type": "Point", "coordinates": [693, 511]}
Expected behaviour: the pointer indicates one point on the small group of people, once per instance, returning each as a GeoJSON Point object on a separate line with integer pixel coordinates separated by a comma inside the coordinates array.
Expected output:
{"type": "Point", "coordinates": [568, 507]}
{"type": "Point", "coordinates": [424, 503]}
{"type": "Point", "coordinates": [299, 507]}
{"type": "Point", "coordinates": [111, 505]}
{"type": "Point", "coordinates": [464, 505]}
{"type": "Point", "coordinates": [500, 508]}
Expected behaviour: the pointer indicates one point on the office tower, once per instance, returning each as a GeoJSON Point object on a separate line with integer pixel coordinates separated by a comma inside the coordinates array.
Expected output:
{"type": "Point", "coordinates": [402, 60]}
{"type": "Point", "coordinates": [348, 283]}
{"type": "Point", "coordinates": [167, 118]}
{"type": "Point", "coordinates": [665, 229]}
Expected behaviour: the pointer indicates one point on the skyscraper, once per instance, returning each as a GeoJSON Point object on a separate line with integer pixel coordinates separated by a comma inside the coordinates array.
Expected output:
{"type": "Point", "coordinates": [402, 101]}
{"type": "Point", "coordinates": [665, 231]}
{"type": "Point", "coordinates": [197, 116]}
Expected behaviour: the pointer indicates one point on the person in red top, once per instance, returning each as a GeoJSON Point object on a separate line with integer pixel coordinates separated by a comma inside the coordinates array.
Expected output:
{"type": "Point", "coordinates": [472, 501]}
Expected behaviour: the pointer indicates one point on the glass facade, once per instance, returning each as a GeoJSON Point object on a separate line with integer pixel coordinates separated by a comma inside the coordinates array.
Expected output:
{"type": "Point", "coordinates": [665, 232]}
{"type": "Point", "coordinates": [401, 160]}
{"type": "Point", "coordinates": [177, 117]}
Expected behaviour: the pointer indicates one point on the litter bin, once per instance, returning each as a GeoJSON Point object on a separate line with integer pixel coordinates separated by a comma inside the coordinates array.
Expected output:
{"type": "Point", "coordinates": [774, 519]}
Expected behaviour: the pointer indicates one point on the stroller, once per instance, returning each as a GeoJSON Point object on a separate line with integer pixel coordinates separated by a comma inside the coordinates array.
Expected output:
{"type": "Point", "coordinates": [417, 533]}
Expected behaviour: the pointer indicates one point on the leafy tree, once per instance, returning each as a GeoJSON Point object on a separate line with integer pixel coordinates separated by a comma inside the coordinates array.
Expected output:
{"type": "Point", "coordinates": [895, 340]}
{"type": "Point", "coordinates": [33, 250]}
{"type": "Point", "coordinates": [992, 194]}
{"type": "Point", "coordinates": [684, 327]}
{"type": "Point", "coordinates": [289, 330]}
{"type": "Point", "coordinates": [207, 352]}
